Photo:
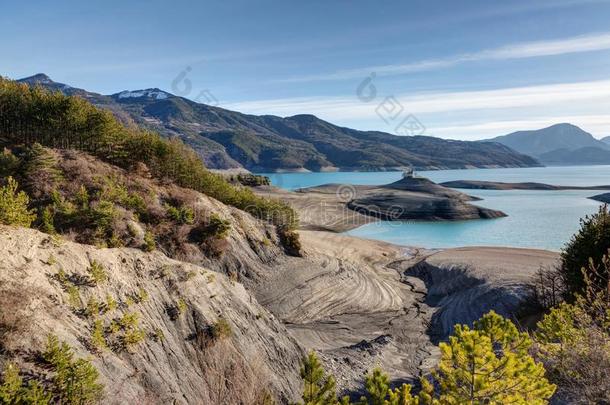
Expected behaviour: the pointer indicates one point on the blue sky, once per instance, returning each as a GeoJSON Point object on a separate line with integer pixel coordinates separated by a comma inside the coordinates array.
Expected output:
{"type": "Point", "coordinates": [465, 70]}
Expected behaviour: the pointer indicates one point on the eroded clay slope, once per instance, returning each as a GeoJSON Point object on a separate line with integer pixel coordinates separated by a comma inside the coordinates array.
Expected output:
{"type": "Point", "coordinates": [177, 304]}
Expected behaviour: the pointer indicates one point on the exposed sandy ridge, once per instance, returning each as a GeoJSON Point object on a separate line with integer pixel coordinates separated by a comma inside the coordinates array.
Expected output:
{"type": "Point", "coordinates": [366, 303]}
{"type": "Point", "coordinates": [497, 185]}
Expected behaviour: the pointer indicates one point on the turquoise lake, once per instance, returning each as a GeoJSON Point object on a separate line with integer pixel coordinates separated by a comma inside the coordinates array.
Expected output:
{"type": "Point", "coordinates": [536, 219]}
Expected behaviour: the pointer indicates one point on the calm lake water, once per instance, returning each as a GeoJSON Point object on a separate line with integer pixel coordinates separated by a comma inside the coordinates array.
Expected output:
{"type": "Point", "coordinates": [536, 219]}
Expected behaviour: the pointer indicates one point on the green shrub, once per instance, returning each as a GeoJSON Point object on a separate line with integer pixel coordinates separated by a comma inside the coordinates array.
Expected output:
{"type": "Point", "coordinates": [129, 320]}
{"type": "Point", "coordinates": [142, 295]}
{"type": "Point", "coordinates": [92, 309]}
{"type": "Point", "coordinates": [114, 190]}
{"type": "Point", "coordinates": [114, 327]}
{"type": "Point", "coordinates": [291, 242]}
{"type": "Point", "coordinates": [102, 216]}
{"type": "Point", "coordinates": [132, 334]}
{"type": "Point", "coordinates": [111, 303]}
{"type": "Point", "coordinates": [78, 383]}
{"type": "Point", "coordinates": [75, 381]}
{"type": "Point", "coordinates": [14, 205]}
{"type": "Point", "coordinates": [221, 329]}
{"type": "Point", "coordinates": [158, 335]}
{"type": "Point", "coordinates": [218, 227]}
{"type": "Point", "coordinates": [73, 296]}
{"type": "Point", "coordinates": [98, 338]}
{"type": "Point", "coordinates": [62, 277]}
{"type": "Point", "coordinates": [62, 206]}
{"type": "Point", "coordinates": [252, 180]}
{"type": "Point", "coordinates": [149, 241]}
{"type": "Point", "coordinates": [132, 337]}
{"type": "Point", "coordinates": [182, 215]}
{"type": "Point", "coordinates": [129, 301]}
{"type": "Point", "coordinates": [181, 306]}
{"type": "Point", "coordinates": [573, 341]}
{"type": "Point", "coordinates": [97, 273]}
{"type": "Point", "coordinates": [47, 220]}
{"type": "Point", "coordinates": [82, 197]}
{"type": "Point", "coordinates": [9, 163]}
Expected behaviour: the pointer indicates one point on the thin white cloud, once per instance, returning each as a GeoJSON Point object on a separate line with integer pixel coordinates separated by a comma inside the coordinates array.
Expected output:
{"type": "Point", "coordinates": [463, 114]}
{"type": "Point", "coordinates": [585, 43]}
{"type": "Point", "coordinates": [346, 108]}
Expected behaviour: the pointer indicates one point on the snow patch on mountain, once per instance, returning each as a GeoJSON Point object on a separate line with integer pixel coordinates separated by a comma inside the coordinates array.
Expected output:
{"type": "Point", "coordinates": [152, 93]}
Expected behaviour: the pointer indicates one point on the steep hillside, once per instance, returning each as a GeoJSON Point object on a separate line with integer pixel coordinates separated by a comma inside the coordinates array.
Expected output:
{"type": "Point", "coordinates": [606, 139]}
{"type": "Point", "coordinates": [229, 139]}
{"type": "Point", "coordinates": [558, 137]}
{"type": "Point", "coordinates": [100, 278]}
{"type": "Point", "coordinates": [34, 118]}
{"type": "Point", "coordinates": [157, 330]}
{"type": "Point", "coordinates": [590, 155]}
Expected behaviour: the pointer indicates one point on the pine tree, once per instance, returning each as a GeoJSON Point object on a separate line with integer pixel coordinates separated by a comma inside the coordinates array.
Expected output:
{"type": "Point", "coordinates": [10, 388]}
{"type": "Point", "coordinates": [42, 172]}
{"type": "Point", "coordinates": [14, 205]}
{"type": "Point", "coordinates": [490, 364]}
{"type": "Point", "coordinates": [592, 241]}
{"type": "Point", "coordinates": [75, 380]}
{"type": "Point", "coordinates": [378, 391]}
{"type": "Point", "coordinates": [377, 386]}
{"type": "Point", "coordinates": [319, 388]}
{"type": "Point", "coordinates": [13, 391]}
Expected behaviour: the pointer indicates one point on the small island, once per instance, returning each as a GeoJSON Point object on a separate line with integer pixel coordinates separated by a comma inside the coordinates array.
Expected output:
{"type": "Point", "coordinates": [342, 207]}
{"type": "Point", "coordinates": [605, 198]}
{"type": "Point", "coordinates": [497, 185]}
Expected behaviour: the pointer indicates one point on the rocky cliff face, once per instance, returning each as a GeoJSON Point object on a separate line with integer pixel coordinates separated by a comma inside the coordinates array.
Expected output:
{"type": "Point", "coordinates": [180, 359]}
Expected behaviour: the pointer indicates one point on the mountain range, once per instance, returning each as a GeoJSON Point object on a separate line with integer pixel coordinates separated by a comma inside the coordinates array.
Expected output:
{"type": "Point", "coordinates": [231, 140]}
{"type": "Point", "coordinates": [560, 144]}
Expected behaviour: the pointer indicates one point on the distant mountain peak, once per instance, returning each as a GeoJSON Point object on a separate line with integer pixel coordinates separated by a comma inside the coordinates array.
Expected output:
{"type": "Point", "coordinates": [562, 143]}
{"type": "Point", "coordinates": [37, 78]}
{"type": "Point", "coordinates": [154, 93]}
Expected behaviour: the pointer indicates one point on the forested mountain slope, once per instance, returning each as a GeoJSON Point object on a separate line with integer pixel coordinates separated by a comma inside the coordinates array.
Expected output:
{"type": "Point", "coordinates": [229, 139]}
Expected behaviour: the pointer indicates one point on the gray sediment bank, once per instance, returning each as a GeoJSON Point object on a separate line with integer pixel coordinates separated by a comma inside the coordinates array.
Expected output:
{"type": "Point", "coordinates": [497, 185]}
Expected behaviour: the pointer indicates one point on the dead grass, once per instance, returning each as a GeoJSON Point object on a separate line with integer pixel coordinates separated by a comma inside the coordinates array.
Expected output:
{"type": "Point", "coordinates": [230, 378]}
{"type": "Point", "coordinates": [14, 316]}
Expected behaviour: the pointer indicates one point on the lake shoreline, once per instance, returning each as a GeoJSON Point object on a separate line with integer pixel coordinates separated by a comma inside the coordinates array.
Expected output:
{"type": "Point", "coordinates": [536, 219]}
